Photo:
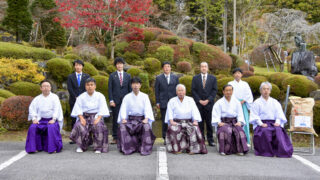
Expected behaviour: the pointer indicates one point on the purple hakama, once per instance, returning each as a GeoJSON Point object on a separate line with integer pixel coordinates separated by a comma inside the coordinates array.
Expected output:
{"type": "Point", "coordinates": [185, 137]}
{"type": "Point", "coordinates": [135, 136]}
{"type": "Point", "coordinates": [44, 137]}
{"type": "Point", "coordinates": [232, 138]}
{"type": "Point", "coordinates": [272, 141]}
{"type": "Point", "coordinates": [84, 136]}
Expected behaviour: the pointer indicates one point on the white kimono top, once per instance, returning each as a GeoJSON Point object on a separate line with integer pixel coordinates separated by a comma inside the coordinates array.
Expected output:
{"type": "Point", "coordinates": [241, 90]}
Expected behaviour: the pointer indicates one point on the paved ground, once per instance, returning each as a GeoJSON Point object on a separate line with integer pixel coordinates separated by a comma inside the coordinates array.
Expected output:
{"type": "Point", "coordinates": [113, 165]}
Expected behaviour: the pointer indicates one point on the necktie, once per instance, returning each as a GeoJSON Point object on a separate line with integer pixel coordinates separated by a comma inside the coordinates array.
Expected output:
{"type": "Point", "coordinates": [204, 81]}
{"type": "Point", "coordinates": [120, 77]}
{"type": "Point", "coordinates": [79, 79]}
{"type": "Point", "coordinates": [167, 77]}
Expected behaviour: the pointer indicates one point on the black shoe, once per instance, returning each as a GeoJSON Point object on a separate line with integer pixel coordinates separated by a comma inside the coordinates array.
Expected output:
{"type": "Point", "coordinates": [211, 143]}
{"type": "Point", "coordinates": [164, 142]}
{"type": "Point", "coordinates": [71, 142]}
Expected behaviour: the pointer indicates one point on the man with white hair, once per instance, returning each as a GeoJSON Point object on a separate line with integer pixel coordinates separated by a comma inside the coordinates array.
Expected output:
{"type": "Point", "coordinates": [183, 133]}
{"type": "Point", "coordinates": [204, 90]}
{"type": "Point", "coordinates": [270, 138]}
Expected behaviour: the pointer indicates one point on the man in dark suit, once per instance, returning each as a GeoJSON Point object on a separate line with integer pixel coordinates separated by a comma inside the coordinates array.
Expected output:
{"type": "Point", "coordinates": [165, 89]}
{"type": "Point", "coordinates": [76, 85]}
{"type": "Point", "coordinates": [119, 86]}
{"type": "Point", "coordinates": [204, 90]}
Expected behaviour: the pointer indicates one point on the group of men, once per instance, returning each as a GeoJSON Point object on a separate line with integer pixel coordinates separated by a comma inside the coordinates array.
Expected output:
{"type": "Point", "coordinates": [183, 117]}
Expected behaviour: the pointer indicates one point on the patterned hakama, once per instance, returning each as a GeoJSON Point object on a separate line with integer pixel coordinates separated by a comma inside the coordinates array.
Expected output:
{"type": "Point", "coordinates": [84, 136]}
{"type": "Point", "coordinates": [135, 136]}
{"type": "Point", "coordinates": [232, 138]}
{"type": "Point", "coordinates": [185, 137]}
{"type": "Point", "coordinates": [44, 137]}
{"type": "Point", "coordinates": [272, 141]}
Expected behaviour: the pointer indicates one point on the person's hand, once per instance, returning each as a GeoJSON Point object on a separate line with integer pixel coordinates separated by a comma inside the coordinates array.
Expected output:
{"type": "Point", "coordinates": [124, 121]}
{"type": "Point", "coordinates": [145, 121]}
{"type": "Point", "coordinates": [264, 125]}
{"type": "Point", "coordinates": [276, 124]}
{"type": "Point", "coordinates": [96, 121]}
{"type": "Point", "coordinates": [83, 121]}
{"type": "Point", "coordinates": [205, 102]}
{"type": "Point", "coordinates": [220, 124]}
{"type": "Point", "coordinates": [173, 123]}
{"type": "Point", "coordinates": [158, 106]}
{"type": "Point", "coordinates": [238, 124]}
{"type": "Point", "coordinates": [35, 122]}
{"type": "Point", "coordinates": [52, 121]}
{"type": "Point", "coordinates": [242, 102]}
{"type": "Point", "coordinates": [195, 123]}
{"type": "Point", "coordinates": [112, 104]}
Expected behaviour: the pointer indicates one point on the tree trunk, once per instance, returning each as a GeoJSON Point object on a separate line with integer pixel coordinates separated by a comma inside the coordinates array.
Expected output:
{"type": "Point", "coordinates": [205, 30]}
{"type": "Point", "coordinates": [234, 47]}
{"type": "Point", "coordinates": [225, 22]}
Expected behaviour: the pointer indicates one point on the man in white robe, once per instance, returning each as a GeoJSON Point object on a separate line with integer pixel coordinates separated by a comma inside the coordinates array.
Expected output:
{"type": "Point", "coordinates": [90, 109]}
{"type": "Point", "coordinates": [228, 116]}
{"type": "Point", "coordinates": [135, 119]}
{"type": "Point", "coordinates": [46, 114]}
{"type": "Point", "coordinates": [242, 92]}
{"type": "Point", "coordinates": [270, 138]}
{"type": "Point", "coordinates": [183, 132]}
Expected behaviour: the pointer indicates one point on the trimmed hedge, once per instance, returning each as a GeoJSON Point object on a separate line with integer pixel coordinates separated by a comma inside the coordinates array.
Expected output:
{"type": "Point", "coordinates": [136, 47]}
{"type": "Point", "coordinates": [14, 112]}
{"type": "Point", "coordinates": [102, 85]}
{"type": "Point", "coordinates": [1, 100]}
{"type": "Point", "coordinates": [221, 82]}
{"type": "Point", "coordinates": [17, 51]}
{"type": "Point", "coordinates": [131, 57]}
{"type": "Point", "coordinates": [165, 53]}
{"type": "Point", "coordinates": [100, 62]}
{"type": "Point", "coordinates": [145, 86]}
{"type": "Point", "coordinates": [148, 36]}
{"type": "Point", "coordinates": [25, 88]}
{"type": "Point", "coordinates": [187, 81]}
{"type": "Point", "coordinates": [111, 69]}
{"type": "Point", "coordinates": [152, 65]}
{"type": "Point", "coordinates": [299, 85]}
{"type": "Point", "coordinates": [254, 83]}
{"type": "Point", "coordinates": [119, 48]}
{"type": "Point", "coordinates": [153, 46]}
{"type": "Point", "coordinates": [277, 78]}
{"type": "Point", "coordinates": [134, 71]}
{"type": "Point", "coordinates": [90, 69]}
{"type": "Point", "coordinates": [315, 50]}
{"type": "Point", "coordinates": [5, 93]}
{"type": "Point", "coordinates": [184, 67]}
{"type": "Point", "coordinates": [275, 92]}
{"type": "Point", "coordinates": [71, 56]}
{"type": "Point", "coordinates": [59, 69]}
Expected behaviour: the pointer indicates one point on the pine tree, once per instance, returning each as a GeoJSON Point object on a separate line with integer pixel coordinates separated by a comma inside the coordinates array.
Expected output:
{"type": "Point", "coordinates": [18, 19]}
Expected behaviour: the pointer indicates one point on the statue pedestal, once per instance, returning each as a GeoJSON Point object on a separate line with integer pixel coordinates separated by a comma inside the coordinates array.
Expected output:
{"type": "Point", "coordinates": [303, 62]}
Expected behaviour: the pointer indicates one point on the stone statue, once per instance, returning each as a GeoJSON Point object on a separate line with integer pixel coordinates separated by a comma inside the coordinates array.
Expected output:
{"type": "Point", "coordinates": [303, 61]}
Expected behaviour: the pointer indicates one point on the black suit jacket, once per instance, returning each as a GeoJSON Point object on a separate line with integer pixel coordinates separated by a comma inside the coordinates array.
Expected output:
{"type": "Point", "coordinates": [164, 91]}
{"type": "Point", "coordinates": [117, 92]}
{"type": "Point", "coordinates": [200, 93]}
{"type": "Point", "coordinates": [74, 90]}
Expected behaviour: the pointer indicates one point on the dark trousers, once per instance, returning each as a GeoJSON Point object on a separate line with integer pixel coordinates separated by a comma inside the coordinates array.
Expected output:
{"type": "Point", "coordinates": [115, 113]}
{"type": "Point", "coordinates": [73, 120]}
{"type": "Point", "coordinates": [164, 125]}
{"type": "Point", "coordinates": [206, 119]}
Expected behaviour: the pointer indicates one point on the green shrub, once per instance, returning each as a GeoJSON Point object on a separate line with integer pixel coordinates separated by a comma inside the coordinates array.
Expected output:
{"type": "Point", "coordinates": [139, 63]}
{"type": "Point", "coordinates": [299, 85]}
{"type": "Point", "coordinates": [5, 93]}
{"type": "Point", "coordinates": [221, 82]}
{"type": "Point", "coordinates": [100, 62]}
{"type": "Point", "coordinates": [145, 87]}
{"type": "Point", "coordinates": [136, 47]}
{"type": "Point", "coordinates": [148, 36]}
{"type": "Point", "coordinates": [187, 81]}
{"type": "Point", "coordinates": [315, 50]}
{"type": "Point", "coordinates": [131, 57]}
{"type": "Point", "coordinates": [277, 78]}
{"type": "Point", "coordinates": [1, 100]}
{"type": "Point", "coordinates": [119, 48]}
{"type": "Point", "coordinates": [181, 53]}
{"type": "Point", "coordinates": [152, 65]}
{"type": "Point", "coordinates": [111, 69]}
{"type": "Point", "coordinates": [71, 56]}
{"type": "Point", "coordinates": [59, 69]}
{"type": "Point", "coordinates": [90, 69]}
{"type": "Point", "coordinates": [316, 116]}
{"type": "Point", "coordinates": [25, 88]}
{"type": "Point", "coordinates": [153, 46]}
{"type": "Point", "coordinates": [236, 61]}
{"type": "Point", "coordinates": [134, 71]}
{"type": "Point", "coordinates": [14, 112]}
{"type": "Point", "coordinates": [168, 39]}
{"type": "Point", "coordinates": [165, 53]}
{"type": "Point", "coordinates": [254, 83]}
{"type": "Point", "coordinates": [318, 66]}
{"type": "Point", "coordinates": [102, 85]}
{"type": "Point", "coordinates": [275, 92]}
{"type": "Point", "coordinates": [18, 51]}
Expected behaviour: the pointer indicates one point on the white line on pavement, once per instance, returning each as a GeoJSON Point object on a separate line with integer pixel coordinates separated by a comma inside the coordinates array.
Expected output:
{"type": "Point", "coordinates": [162, 171]}
{"type": "Point", "coordinates": [307, 162]}
{"type": "Point", "coordinates": [12, 160]}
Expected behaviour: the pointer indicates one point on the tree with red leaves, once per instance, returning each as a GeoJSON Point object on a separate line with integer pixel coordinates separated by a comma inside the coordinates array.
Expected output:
{"type": "Point", "coordinates": [105, 17]}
